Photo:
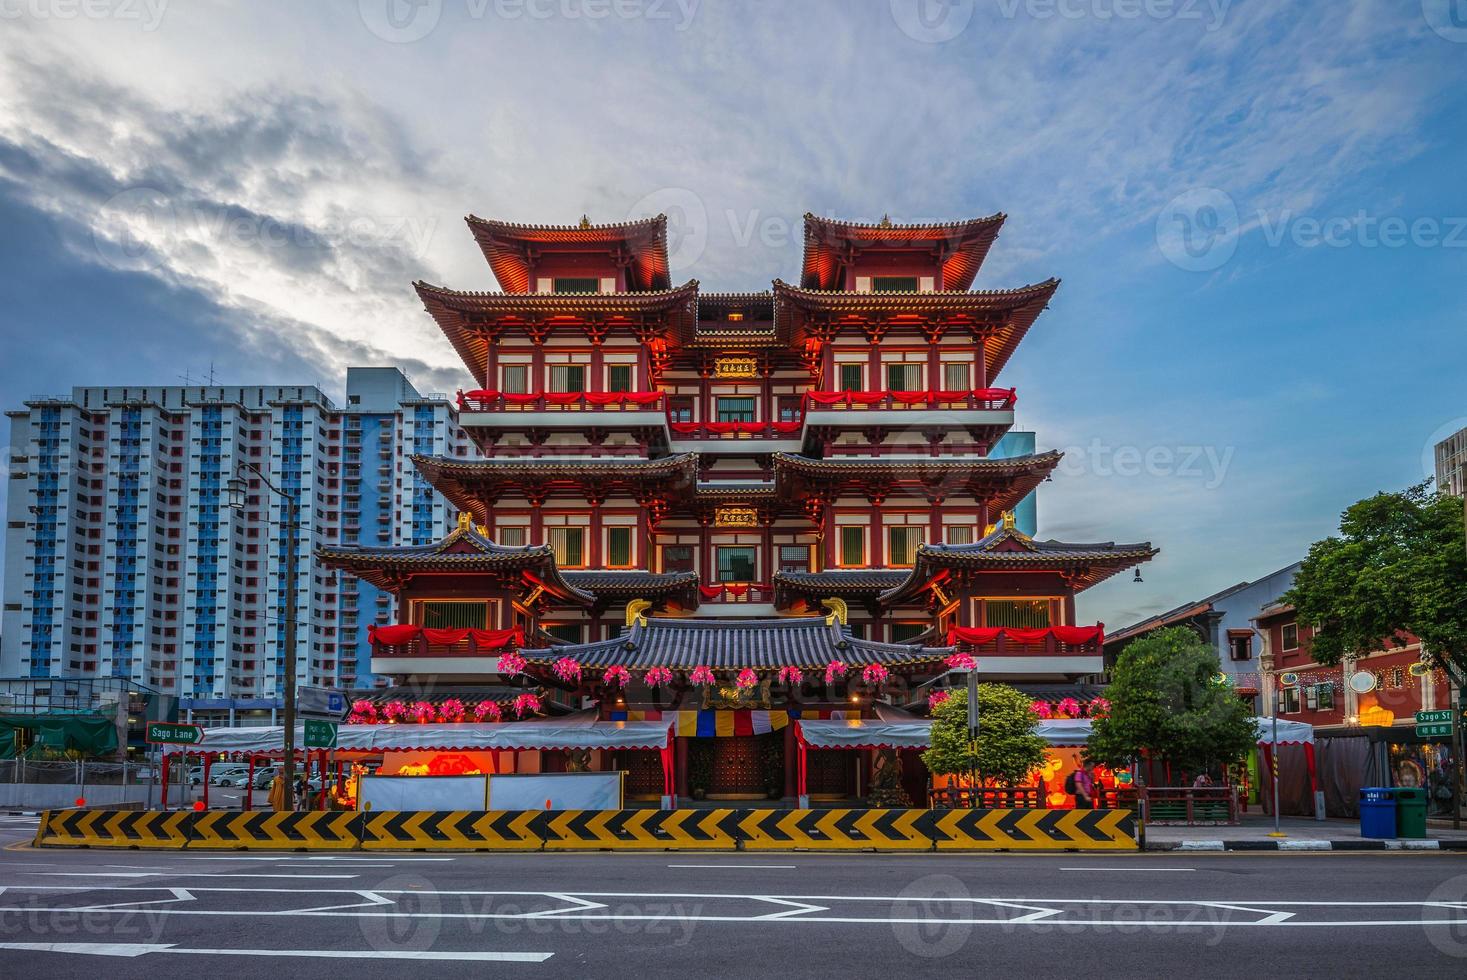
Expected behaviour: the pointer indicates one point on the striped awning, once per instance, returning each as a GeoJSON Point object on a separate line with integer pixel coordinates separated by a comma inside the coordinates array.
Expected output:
{"type": "Point", "coordinates": [731, 722]}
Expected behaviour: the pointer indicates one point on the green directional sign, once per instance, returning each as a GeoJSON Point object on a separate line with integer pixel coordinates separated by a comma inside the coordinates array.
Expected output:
{"type": "Point", "coordinates": [1434, 724]}
{"type": "Point", "coordinates": [166, 733]}
{"type": "Point", "coordinates": [320, 734]}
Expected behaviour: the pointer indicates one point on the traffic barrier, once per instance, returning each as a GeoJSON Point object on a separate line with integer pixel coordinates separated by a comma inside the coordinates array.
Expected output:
{"type": "Point", "coordinates": [676, 830]}
{"type": "Point", "coordinates": [531, 830]}
{"type": "Point", "coordinates": [306, 830]}
{"type": "Point", "coordinates": [1033, 830]}
{"type": "Point", "coordinates": [819, 830]}
{"type": "Point", "coordinates": [113, 828]}
{"type": "Point", "coordinates": [461, 830]}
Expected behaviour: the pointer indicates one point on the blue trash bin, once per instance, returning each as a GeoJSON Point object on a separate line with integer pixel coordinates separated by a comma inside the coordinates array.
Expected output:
{"type": "Point", "coordinates": [1378, 812]}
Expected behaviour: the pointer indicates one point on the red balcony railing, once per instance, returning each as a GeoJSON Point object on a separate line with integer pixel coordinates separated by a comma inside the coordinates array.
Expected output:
{"type": "Point", "coordinates": [1007, 641]}
{"type": "Point", "coordinates": [977, 399]}
{"type": "Point", "coordinates": [736, 430]}
{"type": "Point", "coordinates": [484, 400]}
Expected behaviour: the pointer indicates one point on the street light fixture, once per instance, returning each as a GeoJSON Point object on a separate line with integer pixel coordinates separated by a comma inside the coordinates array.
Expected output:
{"type": "Point", "coordinates": [236, 492]}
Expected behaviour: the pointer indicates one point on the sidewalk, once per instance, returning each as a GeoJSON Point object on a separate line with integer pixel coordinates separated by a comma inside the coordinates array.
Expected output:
{"type": "Point", "coordinates": [1301, 834]}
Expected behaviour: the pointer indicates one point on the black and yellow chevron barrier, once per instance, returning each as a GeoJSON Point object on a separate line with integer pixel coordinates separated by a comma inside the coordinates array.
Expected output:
{"type": "Point", "coordinates": [675, 830]}
{"type": "Point", "coordinates": [306, 830]}
{"type": "Point", "coordinates": [555, 830]}
{"type": "Point", "coordinates": [846, 830]}
{"type": "Point", "coordinates": [113, 828]}
{"type": "Point", "coordinates": [455, 830]}
{"type": "Point", "coordinates": [1033, 830]}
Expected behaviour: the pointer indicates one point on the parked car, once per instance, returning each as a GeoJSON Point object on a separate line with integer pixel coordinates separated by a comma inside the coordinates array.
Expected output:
{"type": "Point", "coordinates": [229, 774]}
{"type": "Point", "coordinates": [264, 777]}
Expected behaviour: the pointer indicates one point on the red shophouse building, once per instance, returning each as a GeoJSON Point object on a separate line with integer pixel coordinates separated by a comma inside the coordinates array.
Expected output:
{"type": "Point", "coordinates": [760, 484]}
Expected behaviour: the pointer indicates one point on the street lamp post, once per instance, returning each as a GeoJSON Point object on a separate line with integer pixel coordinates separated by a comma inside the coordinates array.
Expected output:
{"type": "Point", "coordinates": [237, 491]}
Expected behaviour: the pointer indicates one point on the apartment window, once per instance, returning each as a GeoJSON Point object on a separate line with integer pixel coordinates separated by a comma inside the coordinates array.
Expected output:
{"type": "Point", "coordinates": [1291, 636]}
{"type": "Point", "coordinates": [619, 377]}
{"type": "Point", "coordinates": [1319, 697]}
{"type": "Point", "coordinates": [738, 408]}
{"type": "Point", "coordinates": [958, 534]}
{"type": "Point", "coordinates": [1018, 613]}
{"type": "Point", "coordinates": [567, 377]}
{"type": "Point", "coordinates": [852, 546]}
{"type": "Point", "coordinates": [735, 564]}
{"type": "Point", "coordinates": [904, 377]}
{"type": "Point", "coordinates": [1288, 700]}
{"type": "Point", "coordinates": [569, 632]}
{"type": "Point", "coordinates": [513, 537]}
{"type": "Point", "coordinates": [893, 284]}
{"type": "Point", "coordinates": [901, 544]}
{"type": "Point", "coordinates": [955, 377]}
{"type": "Point", "coordinates": [515, 379]}
{"type": "Point", "coordinates": [441, 614]}
{"type": "Point", "coordinates": [577, 284]}
{"type": "Point", "coordinates": [618, 547]}
{"type": "Point", "coordinates": [850, 378]}
{"type": "Point", "coordinates": [677, 558]}
{"type": "Point", "coordinates": [568, 544]}
{"type": "Point", "coordinates": [1240, 644]}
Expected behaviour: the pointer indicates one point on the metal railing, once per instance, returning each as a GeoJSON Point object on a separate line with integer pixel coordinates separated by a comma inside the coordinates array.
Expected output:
{"type": "Point", "coordinates": [1190, 806]}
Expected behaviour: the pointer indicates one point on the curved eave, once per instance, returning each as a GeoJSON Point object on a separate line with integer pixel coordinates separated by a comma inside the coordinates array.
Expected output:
{"type": "Point", "coordinates": [627, 586]}
{"type": "Point", "coordinates": [967, 243]}
{"type": "Point", "coordinates": [859, 585]}
{"type": "Point", "coordinates": [383, 571]}
{"type": "Point", "coordinates": [1085, 570]}
{"type": "Point", "coordinates": [465, 317]}
{"type": "Point", "coordinates": [1002, 483]}
{"type": "Point", "coordinates": [505, 246]}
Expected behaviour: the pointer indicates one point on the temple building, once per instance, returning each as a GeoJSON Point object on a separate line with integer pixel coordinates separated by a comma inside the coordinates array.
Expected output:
{"type": "Point", "coordinates": [733, 510]}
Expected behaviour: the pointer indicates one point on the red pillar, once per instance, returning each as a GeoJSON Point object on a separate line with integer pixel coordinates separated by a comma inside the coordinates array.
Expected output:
{"type": "Point", "coordinates": [682, 765]}
{"type": "Point", "coordinates": [791, 761]}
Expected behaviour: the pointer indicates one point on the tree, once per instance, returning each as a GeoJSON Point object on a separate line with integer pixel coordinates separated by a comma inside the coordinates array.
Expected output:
{"type": "Point", "coordinates": [1008, 749]}
{"type": "Point", "coordinates": [1168, 703]}
{"type": "Point", "coordinates": [1397, 567]}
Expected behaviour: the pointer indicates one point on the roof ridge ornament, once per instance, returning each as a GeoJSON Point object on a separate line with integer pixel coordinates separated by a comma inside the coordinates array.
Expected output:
{"type": "Point", "coordinates": [838, 611]}
{"type": "Point", "coordinates": [465, 520]}
{"type": "Point", "coordinates": [635, 610]}
{"type": "Point", "coordinates": [585, 221]}
{"type": "Point", "coordinates": [885, 221]}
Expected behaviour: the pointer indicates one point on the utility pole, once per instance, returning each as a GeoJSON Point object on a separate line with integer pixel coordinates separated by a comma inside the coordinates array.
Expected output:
{"type": "Point", "coordinates": [237, 491]}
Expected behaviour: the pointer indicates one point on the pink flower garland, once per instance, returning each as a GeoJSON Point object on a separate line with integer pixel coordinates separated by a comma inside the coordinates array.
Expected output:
{"type": "Point", "coordinates": [834, 671]}
{"type": "Point", "coordinates": [936, 698]}
{"type": "Point", "coordinates": [1068, 708]}
{"type": "Point", "coordinates": [874, 674]}
{"type": "Point", "coordinates": [567, 669]}
{"type": "Point", "coordinates": [423, 713]}
{"type": "Point", "coordinates": [511, 664]}
{"type": "Point", "coordinates": [657, 677]}
{"type": "Point", "coordinates": [394, 712]}
{"type": "Point", "coordinates": [487, 711]}
{"type": "Point", "coordinates": [1042, 709]}
{"type": "Point", "coordinates": [961, 661]}
{"type": "Point", "coordinates": [791, 675]}
{"type": "Point", "coordinates": [747, 680]}
{"type": "Point", "coordinates": [617, 675]}
{"type": "Point", "coordinates": [1098, 708]}
{"type": "Point", "coordinates": [526, 704]}
{"type": "Point", "coordinates": [363, 712]}
{"type": "Point", "coordinates": [452, 710]}
{"type": "Point", "coordinates": [702, 676]}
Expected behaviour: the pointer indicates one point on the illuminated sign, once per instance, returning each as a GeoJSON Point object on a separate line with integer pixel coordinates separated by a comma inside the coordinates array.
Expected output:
{"type": "Point", "coordinates": [736, 367]}
{"type": "Point", "coordinates": [735, 517]}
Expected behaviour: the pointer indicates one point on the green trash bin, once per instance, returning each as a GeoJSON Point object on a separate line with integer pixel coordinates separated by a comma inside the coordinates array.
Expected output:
{"type": "Point", "coordinates": [1410, 811]}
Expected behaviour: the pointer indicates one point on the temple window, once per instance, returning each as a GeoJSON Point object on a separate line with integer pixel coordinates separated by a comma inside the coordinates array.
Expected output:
{"type": "Point", "coordinates": [735, 408]}
{"type": "Point", "coordinates": [794, 558]}
{"type": "Point", "coordinates": [904, 377]}
{"type": "Point", "coordinates": [958, 533]}
{"type": "Point", "coordinates": [789, 408]}
{"type": "Point", "coordinates": [515, 379]}
{"type": "Point", "coordinates": [852, 377]}
{"type": "Point", "coordinates": [569, 632]}
{"type": "Point", "coordinates": [852, 547]}
{"type": "Point", "coordinates": [680, 409]}
{"type": "Point", "coordinates": [1019, 613]}
{"type": "Point", "coordinates": [453, 614]}
{"type": "Point", "coordinates": [677, 558]}
{"type": "Point", "coordinates": [955, 377]}
{"type": "Point", "coordinates": [619, 547]}
{"type": "Point", "coordinates": [513, 537]}
{"type": "Point", "coordinates": [619, 377]}
{"type": "Point", "coordinates": [901, 544]}
{"type": "Point", "coordinates": [901, 632]}
{"type": "Point", "coordinates": [893, 284]}
{"type": "Point", "coordinates": [736, 563]}
{"type": "Point", "coordinates": [569, 546]}
{"type": "Point", "coordinates": [567, 377]}
{"type": "Point", "coordinates": [577, 284]}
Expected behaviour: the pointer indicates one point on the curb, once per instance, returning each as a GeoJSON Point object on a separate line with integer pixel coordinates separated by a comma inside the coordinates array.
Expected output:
{"type": "Point", "coordinates": [1348, 844]}
{"type": "Point", "coordinates": [20, 813]}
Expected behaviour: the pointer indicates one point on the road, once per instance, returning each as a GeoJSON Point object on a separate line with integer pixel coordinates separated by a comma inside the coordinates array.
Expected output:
{"type": "Point", "coordinates": [675, 915]}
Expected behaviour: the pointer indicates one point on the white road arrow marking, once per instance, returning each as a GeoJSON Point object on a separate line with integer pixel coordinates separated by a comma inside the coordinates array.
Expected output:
{"type": "Point", "coordinates": [795, 908]}
{"type": "Point", "coordinates": [581, 905]}
{"type": "Point", "coordinates": [1270, 916]}
{"type": "Point", "coordinates": [372, 898]}
{"type": "Point", "coordinates": [95, 949]}
{"type": "Point", "coordinates": [169, 874]}
{"type": "Point", "coordinates": [179, 895]}
{"type": "Point", "coordinates": [142, 949]}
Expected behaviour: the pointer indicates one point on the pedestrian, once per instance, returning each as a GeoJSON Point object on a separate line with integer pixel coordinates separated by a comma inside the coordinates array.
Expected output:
{"type": "Point", "coordinates": [277, 793]}
{"type": "Point", "coordinates": [1081, 785]}
{"type": "Point", "coordinates": [1203, 781]}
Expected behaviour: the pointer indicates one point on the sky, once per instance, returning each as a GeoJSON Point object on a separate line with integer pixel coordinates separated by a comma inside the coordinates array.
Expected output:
{"type": "Point", "coordinates": [1258, 210]}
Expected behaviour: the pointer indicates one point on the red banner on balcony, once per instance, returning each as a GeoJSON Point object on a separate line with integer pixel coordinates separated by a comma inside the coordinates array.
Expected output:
{"type": "Point", "coordinates": [605, 397]}
{"type": "Point", "coordinates": [393, 635]}
{"type": "Point", "coordinates": [519, 397]}
{"type": "Point", "coordinates": [643, 397]}
{"type": "Point", "coordinates": [483, 639]}
{"type": "Point", "coordinates": [563, 397]}
{"type": "Point", "coordinates": [866, 397]}
{"type": "Point", "coordinates": [911, 397]}
{"type": "Point", "coordinates": [785, 428]}
{"type": "Point", "coordinates": [686, 428]}
{"type": "Point", "coordinates": [753, 428]}
{"type": "Point", "coordinates": [482, 395]}
{"type": "Point", "coordinates": [721, 428]}
{"type": "Point", "coordinates": [827, 397]}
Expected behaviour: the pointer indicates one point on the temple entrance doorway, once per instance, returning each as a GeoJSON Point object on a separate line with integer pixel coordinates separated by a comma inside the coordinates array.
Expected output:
{"type": "Point", "coordinates": [737, 767]}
